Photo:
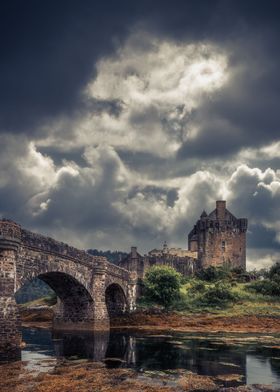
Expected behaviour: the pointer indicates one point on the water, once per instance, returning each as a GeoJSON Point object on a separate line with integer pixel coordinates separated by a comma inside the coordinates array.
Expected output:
{"type": "Point", "coordinates": [251, 358]}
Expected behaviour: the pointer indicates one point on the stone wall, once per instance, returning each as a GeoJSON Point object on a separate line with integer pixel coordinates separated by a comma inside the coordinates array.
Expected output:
{"type": "Point", "coordinates": [220, 238]}
{"type": "Point", "coordinates": [185, 265]}
{"type": "Point", "coordinates": [10, 336]}
{"type": "Point", "coordinates": [80, 281]}
{"type": "Point", "coordinates": [138, 264]}
{"type": "Point", "coordinates": [48, 245]}
{"type": "Point", "coordinates": [223, 245]}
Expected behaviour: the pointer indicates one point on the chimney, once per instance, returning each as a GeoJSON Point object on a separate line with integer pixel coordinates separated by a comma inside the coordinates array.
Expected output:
{"type": "Point", "coordinates": [221, 209]}
{"type": "Point", "coordinates": [134, 252]}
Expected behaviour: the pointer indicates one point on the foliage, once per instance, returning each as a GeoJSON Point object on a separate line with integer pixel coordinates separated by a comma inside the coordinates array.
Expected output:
{"type": "Point", "coordinates": [274, 272]}
{"type": "Point", "coordinates": [259, 274]}
{"type": "Point", "coordinates": [212, 274]}
{"type": "Point", "coordinates": [197, 286]}
{"type": "Point", "coordinates": [112, 256]}
{"type": "Point", "coordinates": [265, 287]}
{"type": "Point", "coordinates": [162, 285]}
{"type": "Point", "coordinates": [218, 295]}
{"type": "Point", "coordinates": [32, 291]}
{"type": "Point", "coordinates": [238, 274]}
{"type": "Point", "coordinates": [270, 285]}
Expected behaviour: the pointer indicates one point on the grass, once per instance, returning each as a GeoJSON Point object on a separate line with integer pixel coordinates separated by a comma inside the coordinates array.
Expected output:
{"type": "Point", "coordinates": [247, 302]}
{"type": "Point", "coordinates": [48, 300]}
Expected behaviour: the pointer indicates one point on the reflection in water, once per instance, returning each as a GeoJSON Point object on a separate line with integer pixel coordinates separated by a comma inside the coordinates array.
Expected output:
{"type": "Point", "coordinates": [214, 355]}
{"type": "Point", "coordinates": [85, 345]}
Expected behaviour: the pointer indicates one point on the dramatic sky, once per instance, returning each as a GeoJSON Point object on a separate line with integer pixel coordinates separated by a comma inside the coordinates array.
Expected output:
{"type": "Point", "coordinates": [120, 121]}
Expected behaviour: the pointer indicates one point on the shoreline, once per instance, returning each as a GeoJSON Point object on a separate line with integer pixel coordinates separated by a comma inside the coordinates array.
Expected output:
{"type": "Point", "coordinates": [146, 321]}
{"type": "Point", "coordinates": [200, 323]}
{"type": "Point", "coordinates": [83, 375]}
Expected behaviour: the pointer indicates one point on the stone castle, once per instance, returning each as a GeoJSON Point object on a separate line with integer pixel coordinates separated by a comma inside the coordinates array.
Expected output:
{"type": "Point", "coordinates": [90, 289]}
{"type": "Point", "coordinates": [216, 239]}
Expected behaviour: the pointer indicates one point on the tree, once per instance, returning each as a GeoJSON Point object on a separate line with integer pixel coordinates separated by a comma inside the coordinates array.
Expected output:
{"type": "Point", "coordinates": [274, 273]}
{"type": "Point", "coordinates": [162, 285]}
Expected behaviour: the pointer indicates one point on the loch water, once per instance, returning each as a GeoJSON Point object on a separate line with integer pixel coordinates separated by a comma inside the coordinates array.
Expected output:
{"type": "Point", "coordinates": [253, 359]}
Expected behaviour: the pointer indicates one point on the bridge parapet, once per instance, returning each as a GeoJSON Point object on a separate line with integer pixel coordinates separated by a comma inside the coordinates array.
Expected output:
{"type": "Point", "coordinates": [10, 235]}
{"type": "Point", "coordinates": [88, 287]}
{"type": "Point", "coordinates": [120, 272]}
{"type": "Point", "coordinates": [49, 245]}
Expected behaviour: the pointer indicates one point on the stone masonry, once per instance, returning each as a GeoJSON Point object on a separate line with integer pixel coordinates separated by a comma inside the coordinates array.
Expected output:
{"type": "Point", "coordinates": [216, 239]}
{"type": "Point", "coordinates": [140, 264]}
{"type": "Point", "coordinates": [89, 288]}
{"type": "Point", "coordinates": [219, 238]}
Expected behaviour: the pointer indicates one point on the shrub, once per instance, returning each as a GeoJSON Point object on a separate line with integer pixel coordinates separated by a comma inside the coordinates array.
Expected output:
{"type": "Point", "coordinates": [162, 285]}
{"type": "Point", "coordinates": [274, 272]}
{"type": "Point", "coordinates": [265, 287]}
{"type": "Point", "coordinates": [270, 285]}
{"type": "Point", "coordinates": [212, 274]}
{"type": "Point", "coordinates": [217, 295]}
{"type": "Point", "coordinates": [197, 287]}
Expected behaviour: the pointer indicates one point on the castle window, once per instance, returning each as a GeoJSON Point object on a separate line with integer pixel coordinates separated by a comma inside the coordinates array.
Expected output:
{"type": "Point", "coordinates": [223, 246]}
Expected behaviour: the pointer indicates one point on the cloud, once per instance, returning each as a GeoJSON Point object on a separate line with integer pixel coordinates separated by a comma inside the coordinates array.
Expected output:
{"type": "Point", "coordinates": [120, 127]}
{"type": "Point", "coordinates": [137, 111]}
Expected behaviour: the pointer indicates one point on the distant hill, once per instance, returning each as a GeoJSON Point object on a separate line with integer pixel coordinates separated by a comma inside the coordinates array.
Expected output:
{"type": "Point", "coordinates": [33, 290]}
{"type": "Point", "coordinates": [112, 256]}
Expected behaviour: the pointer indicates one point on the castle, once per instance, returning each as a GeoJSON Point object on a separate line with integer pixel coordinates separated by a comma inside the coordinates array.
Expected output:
{"type": "Point", "coordinates": [216, 239]}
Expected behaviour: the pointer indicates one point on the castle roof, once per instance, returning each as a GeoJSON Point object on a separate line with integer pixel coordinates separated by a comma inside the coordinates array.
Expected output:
{"type": "Point", "coordinates": [228, 215]}
{"type": "Point", "coordinates": [203, 214]}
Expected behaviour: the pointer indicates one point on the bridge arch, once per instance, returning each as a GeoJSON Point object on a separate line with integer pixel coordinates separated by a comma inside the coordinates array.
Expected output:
{"type": "Point", "coordinates": [116, 300]}
{"type": "Point", "coordinates": [75, 303]}
{"type": "Point", "coordinates": [89, 288]}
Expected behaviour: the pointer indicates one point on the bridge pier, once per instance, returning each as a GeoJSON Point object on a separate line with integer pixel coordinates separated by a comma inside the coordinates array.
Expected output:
{"type": "Point", "coordinates": [78, 309]}
{"type": "Point", "coordinates": [101, 316]}
{"type": "Point", "coordinates": [10, 336]}
{"type": "Point", "coordinates": [87, 286]}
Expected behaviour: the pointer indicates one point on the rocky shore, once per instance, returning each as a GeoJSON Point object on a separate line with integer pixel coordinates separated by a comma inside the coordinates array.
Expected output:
{"type": "Point", "coordinates": [85, 376]}
{"type": "Point", "coordinates": [155, 319]}
{"type": "Point", "coordinates": [173, 321]}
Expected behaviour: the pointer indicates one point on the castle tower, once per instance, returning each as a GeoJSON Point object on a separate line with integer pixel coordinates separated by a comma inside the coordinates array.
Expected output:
{"type": "Point", "coordinates": [220, 238]}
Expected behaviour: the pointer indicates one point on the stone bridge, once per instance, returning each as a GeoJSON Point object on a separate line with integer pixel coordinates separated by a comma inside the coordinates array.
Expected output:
{"type": "Point", "coordinates": [89, 289]}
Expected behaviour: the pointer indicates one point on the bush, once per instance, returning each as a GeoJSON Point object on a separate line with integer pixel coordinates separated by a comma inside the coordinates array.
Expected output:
{"type": "Point", "coordinates": [212, 274]}
{"type": "Point", "coordinates": [270, 285]}
{"type": "Point", "coordinates": [197, 287]}
{"type": "Point", "coordinates": [274, 272]}
{"type": "Point", "coordinates": [162, 285]}
{"type": "Point", "coordinates": [217, 295]}
{"type": "Point", "coordinates": [265, 287]}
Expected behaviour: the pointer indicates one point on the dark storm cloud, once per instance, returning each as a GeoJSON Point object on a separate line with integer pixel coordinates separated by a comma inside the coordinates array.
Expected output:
{"type": "Point", "coordinates": [48, 52]}
{"type": "Point", "coordinates": [245, 113]}
{"type": "Point", "coordinates": [49, 49]}
{"type": "Point", "coordinates": [115, 194]}
{"type": "Point", "coordinates": [260, 237]}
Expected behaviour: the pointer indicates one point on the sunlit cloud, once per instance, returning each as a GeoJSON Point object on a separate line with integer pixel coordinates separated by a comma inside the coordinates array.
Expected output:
{"type": "Point", "coordinates": [155, 87]}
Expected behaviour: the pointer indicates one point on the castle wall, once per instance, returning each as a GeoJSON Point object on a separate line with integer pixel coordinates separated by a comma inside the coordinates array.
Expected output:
{"type": "Point", "coordinates": [135, 262]}
{"type": "Point", "coordinates": [222, 245]}
{"type": "Point", "coordinates": [220, 238]}
{"type": "Point", "coordinates": [184, 265]}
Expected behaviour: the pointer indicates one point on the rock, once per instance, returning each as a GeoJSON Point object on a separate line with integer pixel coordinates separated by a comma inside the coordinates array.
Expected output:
{"type": "Point", "coordinates": [195, 383]}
